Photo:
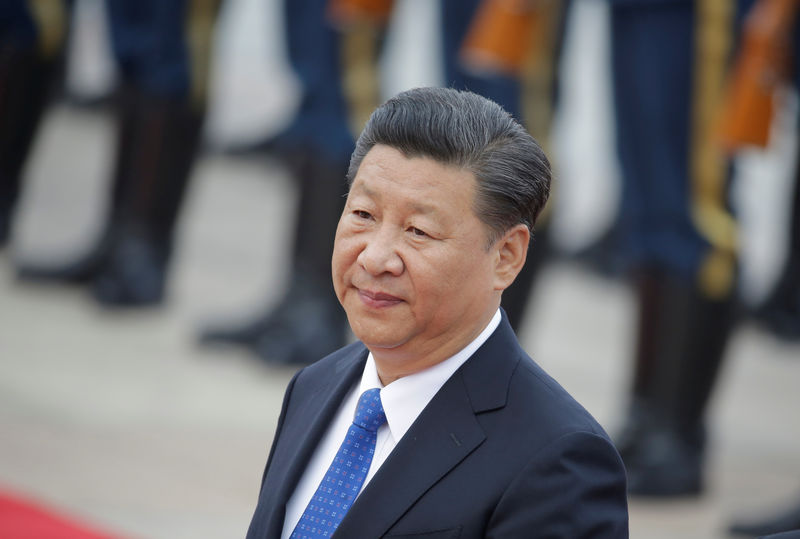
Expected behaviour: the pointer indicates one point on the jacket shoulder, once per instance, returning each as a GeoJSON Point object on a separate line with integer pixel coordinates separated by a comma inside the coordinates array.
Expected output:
{"type": "Point", "coordinates": [551, 406]}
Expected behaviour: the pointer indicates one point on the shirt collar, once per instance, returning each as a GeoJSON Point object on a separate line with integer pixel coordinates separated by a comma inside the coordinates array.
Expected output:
{"type": "Point", "coordinates": [404, 399]}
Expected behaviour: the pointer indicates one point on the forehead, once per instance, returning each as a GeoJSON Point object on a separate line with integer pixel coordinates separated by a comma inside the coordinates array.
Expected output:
{"type": "Point", "coordinates": [422, 182]}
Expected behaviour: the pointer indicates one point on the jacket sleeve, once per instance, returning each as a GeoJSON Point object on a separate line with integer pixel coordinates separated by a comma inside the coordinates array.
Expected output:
{"type": "Point", "coordinates": [574, 487]}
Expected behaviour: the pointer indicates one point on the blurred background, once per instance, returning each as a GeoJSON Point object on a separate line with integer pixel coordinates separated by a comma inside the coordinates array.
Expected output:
{"type": "Point", "coordinates": [140, 385]}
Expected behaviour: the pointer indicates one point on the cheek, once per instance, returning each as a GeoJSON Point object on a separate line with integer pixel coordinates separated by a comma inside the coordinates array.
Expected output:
{"type": "Point", "coordinates": [466, 277]}
{"type": "Point", "coordinates": [436, 284]}
{"type": "Point", "coordinates": [345, 253]}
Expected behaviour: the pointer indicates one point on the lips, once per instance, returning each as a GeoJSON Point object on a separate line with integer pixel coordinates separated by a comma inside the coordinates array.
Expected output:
{"type": "Point", "coordinates": [378, 299]}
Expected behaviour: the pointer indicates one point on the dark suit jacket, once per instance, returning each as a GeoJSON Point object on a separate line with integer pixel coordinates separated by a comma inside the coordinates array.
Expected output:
{"type": "Point", "coordinates": [500, 451]}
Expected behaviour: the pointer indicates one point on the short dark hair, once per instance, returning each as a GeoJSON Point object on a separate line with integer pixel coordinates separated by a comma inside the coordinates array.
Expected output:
{"type": "Point", "coordinates": [464, 129]}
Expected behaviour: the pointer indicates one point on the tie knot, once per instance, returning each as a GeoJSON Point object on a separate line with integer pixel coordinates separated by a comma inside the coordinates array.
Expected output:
{"type": "Point", "coordinates": [369, 412]}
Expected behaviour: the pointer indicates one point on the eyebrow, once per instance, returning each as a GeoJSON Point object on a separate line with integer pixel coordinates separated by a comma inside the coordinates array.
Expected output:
{"type": "Point", "coordinates": [418, 207]}
{"type": "Point", "coordinates": [423, 208]}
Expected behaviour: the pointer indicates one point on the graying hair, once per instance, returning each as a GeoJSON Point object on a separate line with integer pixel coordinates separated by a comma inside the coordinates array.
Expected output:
{"type": "Point", "coordinates": [466, 130]}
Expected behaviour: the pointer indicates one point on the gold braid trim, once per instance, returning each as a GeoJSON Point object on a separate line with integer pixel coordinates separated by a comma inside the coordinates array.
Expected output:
{"type": "Point", "coordinates": [50, 18]}
{"type": "Point", "coordinates": [201, 16]}
{"type": "Point", "coordinates": [539, 72]}
{"type": "Point", "coordinates": [359, 51]}
{"type": "Point", "coordinates": [714, 23]}
{"type": "Point", "coordinates": [537, 80]}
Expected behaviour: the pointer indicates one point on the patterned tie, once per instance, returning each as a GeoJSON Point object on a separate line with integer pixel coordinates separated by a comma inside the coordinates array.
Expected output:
{"type": "Point", "coordinates": [346, 474]}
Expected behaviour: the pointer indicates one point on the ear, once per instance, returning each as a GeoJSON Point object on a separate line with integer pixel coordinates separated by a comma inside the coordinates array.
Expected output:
{"type": "Point", "coordinates": [511, 249]}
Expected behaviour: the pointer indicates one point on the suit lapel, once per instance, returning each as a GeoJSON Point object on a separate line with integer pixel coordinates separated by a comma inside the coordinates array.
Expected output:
{"type": "Point", "coordinates": [312, 411]}
{"type": "Point", "coordinates": [443, 435]}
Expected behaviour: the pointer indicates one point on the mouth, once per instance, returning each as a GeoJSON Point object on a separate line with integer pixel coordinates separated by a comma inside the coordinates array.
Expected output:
{"type": "Point", "coordinates": [377, 300]}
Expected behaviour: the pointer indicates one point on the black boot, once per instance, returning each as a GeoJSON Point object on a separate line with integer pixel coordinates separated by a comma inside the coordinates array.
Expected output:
{"type": "Point", "coordinates": [650, 295]}
{"type": "Point", "coordinates": [152, 176]}
{"type": "Point", "coordinates": [308, 322]}
{"type": "Point", "coordinates": [306, 326]}
{"type": "Point", "coordinates": [665, 455]}
{"type": "Point", "coordinates": [84, 268]}
{"type": "Point", "coordinates": [134, 269]}
{"type": "Point", "coordinates": [79, 271]}
{"type": "Point", "coordinates": [604, 255]}
{"type": "Point", "coordinates": [156, 146]}
{"type": "Point", "coordinates": [25, 82]}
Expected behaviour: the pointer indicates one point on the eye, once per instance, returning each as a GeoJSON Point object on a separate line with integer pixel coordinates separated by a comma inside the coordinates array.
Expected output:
{"type": "Point", "coordinates": [418, 232]}
{"type": "Point", "coordinates": [362, 214]}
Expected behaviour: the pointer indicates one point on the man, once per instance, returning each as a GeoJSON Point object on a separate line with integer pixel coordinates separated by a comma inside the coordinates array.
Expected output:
{"type": "Point", "coordinates": [457, 432]}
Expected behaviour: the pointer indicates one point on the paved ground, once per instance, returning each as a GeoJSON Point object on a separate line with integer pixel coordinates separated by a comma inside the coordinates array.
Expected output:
{"type": "Point", "coordinates": [121, 419]}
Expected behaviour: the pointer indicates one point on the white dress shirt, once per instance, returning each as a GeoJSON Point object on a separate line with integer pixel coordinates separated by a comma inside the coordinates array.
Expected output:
{"type": "Point", "coordinates": [403, 400]}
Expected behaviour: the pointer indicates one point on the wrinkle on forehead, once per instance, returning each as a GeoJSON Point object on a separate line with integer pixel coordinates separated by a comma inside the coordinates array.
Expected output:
{"type": "Point", "coordinates": [415, 205]}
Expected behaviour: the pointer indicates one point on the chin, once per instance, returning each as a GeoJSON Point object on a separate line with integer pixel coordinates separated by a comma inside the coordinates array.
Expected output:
{"type": "Point", "coordinates": [376, 334]}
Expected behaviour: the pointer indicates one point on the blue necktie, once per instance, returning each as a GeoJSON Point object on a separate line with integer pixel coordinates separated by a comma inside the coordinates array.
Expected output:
{"type": "Point", "coordinates": [346, 474]}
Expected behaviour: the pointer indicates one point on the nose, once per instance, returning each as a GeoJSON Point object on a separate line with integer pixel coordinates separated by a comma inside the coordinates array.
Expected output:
{"type": "Point", "coordinates": [380, 254]}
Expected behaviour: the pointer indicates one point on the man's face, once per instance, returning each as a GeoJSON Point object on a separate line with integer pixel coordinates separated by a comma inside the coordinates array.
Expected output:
{"type": "Point", "coordinates": [410, 263]}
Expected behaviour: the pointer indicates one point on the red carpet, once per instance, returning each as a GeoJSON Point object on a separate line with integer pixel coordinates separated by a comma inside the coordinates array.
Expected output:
{"type": "Point", "coordinates": [23, 519]}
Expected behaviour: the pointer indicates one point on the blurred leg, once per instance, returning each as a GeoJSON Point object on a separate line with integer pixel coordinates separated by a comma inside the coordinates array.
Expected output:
{"type": "Point", "coordinates": [31, 45]}
{"type": "Point", "coordinates": [162, 50]}
{"type": "Point", "coordinates": [307, 321]}
{"type": "Point", "coordinates": [684, 277]}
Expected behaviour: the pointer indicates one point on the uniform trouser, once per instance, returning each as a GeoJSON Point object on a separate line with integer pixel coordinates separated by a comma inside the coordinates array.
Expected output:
{"type": "Point", "coordinates": [155, 48]}
{"type": "Point", "coordinates": [314, 48]}
{"type": "Point", "coordinates": [673, 195]}
{"type": "Point", "coordinates": [161, 49]}
{"type": "Point", "coordinates": [160, 46]}
{"type": "Point", "coordinates": [657, 138]}
{"type": "Point", "coordinates": [318, 142]}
